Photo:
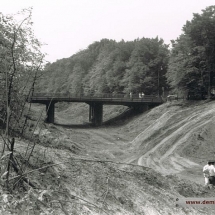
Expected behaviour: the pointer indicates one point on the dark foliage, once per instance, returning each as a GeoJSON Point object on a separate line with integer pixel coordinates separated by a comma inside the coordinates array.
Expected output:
{"type": "Point", "coordinates": [110, 67]}
{"type": "Point", "coordinates": [192, 59]}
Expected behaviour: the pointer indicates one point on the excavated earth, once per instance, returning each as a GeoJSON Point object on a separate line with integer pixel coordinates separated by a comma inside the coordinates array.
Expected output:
{"type": "Point", "coordinates": [139, 164]}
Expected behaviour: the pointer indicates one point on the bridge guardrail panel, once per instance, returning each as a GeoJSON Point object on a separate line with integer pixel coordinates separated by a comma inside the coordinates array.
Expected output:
{"type": "Point", "coordinates": [105, 97]}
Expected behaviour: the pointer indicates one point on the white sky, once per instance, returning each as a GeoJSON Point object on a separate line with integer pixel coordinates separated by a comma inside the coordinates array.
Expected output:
{"type": "Point", "coordinates": [68, 26]}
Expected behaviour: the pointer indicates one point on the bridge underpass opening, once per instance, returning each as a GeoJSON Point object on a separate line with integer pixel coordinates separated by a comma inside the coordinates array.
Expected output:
{"type": "Point", "coordinates": [95, 113]}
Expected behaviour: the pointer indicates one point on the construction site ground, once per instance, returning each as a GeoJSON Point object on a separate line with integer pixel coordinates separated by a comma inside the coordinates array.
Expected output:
{"type": "Point", "coordinates": [139, 164]}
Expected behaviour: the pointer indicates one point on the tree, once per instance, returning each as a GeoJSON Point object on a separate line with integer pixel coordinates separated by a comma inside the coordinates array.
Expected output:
{"type": "Point", "coordinates": [111, 67]}
{"type": "Point", "coordinates": [95, 80]}
{"type": "Point", "coordinates": [191, 66]}
{"type": "Point", "coordinates": [20, 63]}
{"type": "Point", "coordinates": [119, 57]}
{"type": "Point", "coordinates": [147, 66]}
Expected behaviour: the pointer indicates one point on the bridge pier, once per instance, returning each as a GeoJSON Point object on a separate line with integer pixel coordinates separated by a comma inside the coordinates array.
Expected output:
{"type": "Point", "coordinates": [50, 112]}
{"type": "Point", "coordinates": [96, 113]}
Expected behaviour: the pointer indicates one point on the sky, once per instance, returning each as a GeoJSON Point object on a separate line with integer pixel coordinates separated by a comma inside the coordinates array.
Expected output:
{"type": "Point", "coordinates": [68, 26]}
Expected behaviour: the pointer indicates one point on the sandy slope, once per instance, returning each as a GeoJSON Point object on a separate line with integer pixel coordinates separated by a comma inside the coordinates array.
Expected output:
{"type": "Point", "coordinates": [174, 138]}
{"type": "Point", "coordinates": [170, 138]}
{"type": "Point", "coordinates": [182, 137]}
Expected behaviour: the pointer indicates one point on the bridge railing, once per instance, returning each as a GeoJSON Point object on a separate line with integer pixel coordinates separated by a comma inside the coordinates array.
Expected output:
{"type": "Point", "coordinates": [104, 96]}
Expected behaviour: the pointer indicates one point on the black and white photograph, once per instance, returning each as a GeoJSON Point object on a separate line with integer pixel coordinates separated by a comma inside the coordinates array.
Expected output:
{"type": "Point", "coordinates": [107, 107]}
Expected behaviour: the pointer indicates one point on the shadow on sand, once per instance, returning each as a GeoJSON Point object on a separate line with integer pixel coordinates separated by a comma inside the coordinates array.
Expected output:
{"type": "Point", "coordinates": [118, 120]}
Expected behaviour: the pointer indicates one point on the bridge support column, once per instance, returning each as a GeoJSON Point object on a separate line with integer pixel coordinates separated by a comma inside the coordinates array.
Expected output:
{"type": "Point", "coordinates": [96, 113]}
{"type": "Point", "coordinates": [50, 112]}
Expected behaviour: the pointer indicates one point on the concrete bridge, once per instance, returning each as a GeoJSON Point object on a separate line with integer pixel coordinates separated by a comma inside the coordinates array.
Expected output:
{"type": "Point", "coordinates": [95, 103]}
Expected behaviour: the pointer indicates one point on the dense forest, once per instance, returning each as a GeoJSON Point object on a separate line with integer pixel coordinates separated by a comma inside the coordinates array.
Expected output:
{"type": "Point", "coordinates": [111, 67]}
{"type": "Point", "coordinates": [191, 65]}
{"type": "Point", "coordinates": [144, 65]}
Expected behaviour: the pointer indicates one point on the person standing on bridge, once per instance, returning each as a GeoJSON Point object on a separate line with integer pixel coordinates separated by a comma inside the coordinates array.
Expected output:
{"type": "Point", "coordinates": [131, 95]}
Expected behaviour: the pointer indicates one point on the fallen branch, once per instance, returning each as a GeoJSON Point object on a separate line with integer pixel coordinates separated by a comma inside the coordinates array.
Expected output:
{"type": "Point", "coordinates": [106, 191]}
{"type": "Point", "coordinates": [62, 208]}
{"type": "Point", "coordinates": [77, 159]}
{"type": "Point", "coordinates": [90, 204]}
{"type": "Point", "coordinates": [26, 180]}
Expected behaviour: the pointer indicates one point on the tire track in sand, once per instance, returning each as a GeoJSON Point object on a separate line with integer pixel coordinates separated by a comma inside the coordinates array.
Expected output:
{"type": "Point", "coordinates": [164, 156]}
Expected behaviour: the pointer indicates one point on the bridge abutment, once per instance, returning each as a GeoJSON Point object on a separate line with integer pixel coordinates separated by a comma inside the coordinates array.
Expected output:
{"type": "Point", "coordinates": [50, 112]}
{"type": "Point", "coordinates": [96, 113]}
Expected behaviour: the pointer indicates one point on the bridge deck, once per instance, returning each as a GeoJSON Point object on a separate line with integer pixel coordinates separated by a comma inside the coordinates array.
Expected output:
{"type": "Point", "coordinates": [104, 98]}
{"type": "Point", "coordinates": [95, 103]}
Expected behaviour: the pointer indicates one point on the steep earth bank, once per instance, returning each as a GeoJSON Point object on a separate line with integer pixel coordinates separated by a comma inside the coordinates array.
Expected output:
{"type": "Point", "coordinates": [138, 165]}
{"type": "Point", "coordinates": [176, 138]}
